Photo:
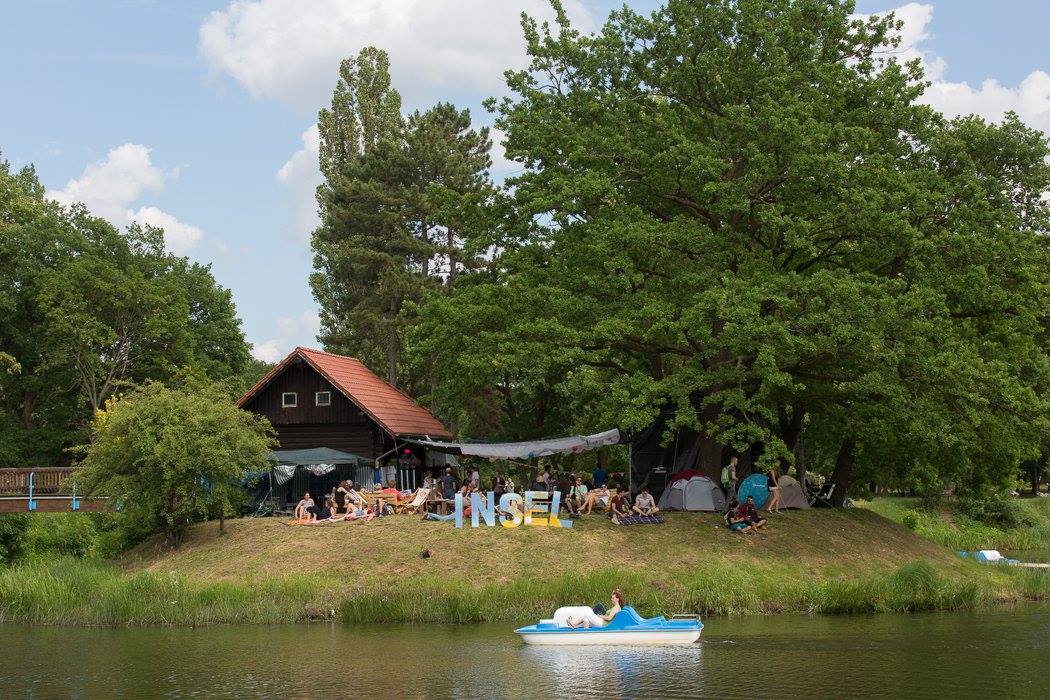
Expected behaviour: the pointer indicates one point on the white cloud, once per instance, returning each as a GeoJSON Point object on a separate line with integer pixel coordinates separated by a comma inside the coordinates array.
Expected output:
{"type": "Point", "coordinates": [289, 50]}
{"type": "Point", "coordinates": [301, 175]}
{"type": "Point", "coordinates": [991, 100]}
{"type": "Point", "coordinates": [109, 188]}
{"type": "Point", "coordinates": [179, 237]}
{"type": "Point", "coordinates": [291, 332]}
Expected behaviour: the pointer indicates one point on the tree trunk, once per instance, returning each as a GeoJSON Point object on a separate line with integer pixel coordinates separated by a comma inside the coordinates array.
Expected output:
{"type": "Point", "coordinates": [709, 461]}
{"type": "Point", "coordinates": [451, 256]}
{"type": "Point", "coordinates": [222, 519]}
{"type": "Point", "coordinates": [790, 430]}
{"type": "Point", "coordinates": [843, 471]}
{"type": "Point", "coordinates": [391, 349]}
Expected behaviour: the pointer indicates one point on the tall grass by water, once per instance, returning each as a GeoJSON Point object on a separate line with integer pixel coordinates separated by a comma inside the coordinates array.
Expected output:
{"type": "Point", "coordinates": [76, 592]}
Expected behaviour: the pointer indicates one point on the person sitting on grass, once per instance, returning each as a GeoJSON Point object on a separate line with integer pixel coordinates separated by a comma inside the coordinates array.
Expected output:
{"type": "Point", "coordinates": [644, 503]}
{"type": "Point", "coordinates": [737, 523]}
{"type": "Point", "coordinates": [619, 506]}
{"type": "Point", "coordinates": [577, 497]}
{"type": "Point", "coordinates": [303, 509]}
{"type": "Point", "coordinates": [749, 514]}
{"type": "Point", "coordinates": [324, 513]}
{"type": "Point", "coordinates": [595, 497]}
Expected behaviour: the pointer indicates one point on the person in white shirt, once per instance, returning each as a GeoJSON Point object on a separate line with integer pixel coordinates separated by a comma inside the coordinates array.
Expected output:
{"type": "Point", "coordinates": [304, 509]}
{"type": "Point", "coordinates": [644, 503]}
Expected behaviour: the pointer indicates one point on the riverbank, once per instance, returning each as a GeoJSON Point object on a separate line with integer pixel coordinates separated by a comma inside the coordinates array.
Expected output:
{"type": "Point", "coordinates": [958, 532]}
{"type": "Point", "coordinates": [263, 571]}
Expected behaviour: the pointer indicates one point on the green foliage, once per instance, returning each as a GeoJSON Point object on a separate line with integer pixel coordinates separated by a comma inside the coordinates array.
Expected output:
{"type": "Point", "coordinates": [171, 456]}
{"type": "Point", "coordinates": [13, 527]}
{"type": "Point", "coordinates": [88, 309]}
{"type": "Point", "coordinates": [957, 531]}
{"type": "Point", "coordinates": [994, 507]}
{"type": "Point", "coordinates": [397, 197]}
{"type": "Point", "coordinates": [747, 203]}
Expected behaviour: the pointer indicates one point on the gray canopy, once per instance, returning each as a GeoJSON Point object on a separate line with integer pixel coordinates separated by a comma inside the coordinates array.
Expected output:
{"type": "Point", "coordinates": [316, 460]}
{"type": "Point", "coordinates": [530, 449]}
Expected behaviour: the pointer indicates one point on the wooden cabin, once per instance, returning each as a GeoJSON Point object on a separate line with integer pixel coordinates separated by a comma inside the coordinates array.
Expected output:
{"type": "Point", "coordinates": [317, 399]}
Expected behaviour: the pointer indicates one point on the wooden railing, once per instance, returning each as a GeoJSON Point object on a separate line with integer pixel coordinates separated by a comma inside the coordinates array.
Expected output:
{"type": "Point", "coordinates": [46, 481]}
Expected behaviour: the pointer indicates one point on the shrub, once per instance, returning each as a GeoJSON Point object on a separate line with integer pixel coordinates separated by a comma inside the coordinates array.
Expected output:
{"type": "Point", "coordinates": [910, 519]}
{"type": "Point", "coordinates": [994, 508]}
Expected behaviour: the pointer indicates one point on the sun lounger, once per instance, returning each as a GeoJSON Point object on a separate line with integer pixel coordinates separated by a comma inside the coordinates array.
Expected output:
{"type": "Point", "coordinates": [415, 504]}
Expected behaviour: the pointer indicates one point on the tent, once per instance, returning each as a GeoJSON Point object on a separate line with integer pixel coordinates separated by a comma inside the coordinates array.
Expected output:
{"type": "Point", "coordinates": [530, 449]}
{"type": "Point", "coordinates": [791, 493]}
{"type": "Point", "coordinates": [696, 493]}
{"type": "Point", "coordinates": [755, 486]}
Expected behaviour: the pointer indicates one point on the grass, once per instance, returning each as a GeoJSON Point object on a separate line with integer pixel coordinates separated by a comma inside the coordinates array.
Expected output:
{"type": "Point", "coordinates": [957, 532]}
{"type": "Point", "coordinates": [262, 571]}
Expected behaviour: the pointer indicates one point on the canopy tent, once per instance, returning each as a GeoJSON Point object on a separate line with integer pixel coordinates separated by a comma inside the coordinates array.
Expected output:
{"type": "Point", "coordinates": [316, 460]}
{"type": "Point", "coordinates": [791, 493]}
{"type": "Point", "coordinates": [694, 493]}
{"type": "Point", "coordinates": [530, 449]}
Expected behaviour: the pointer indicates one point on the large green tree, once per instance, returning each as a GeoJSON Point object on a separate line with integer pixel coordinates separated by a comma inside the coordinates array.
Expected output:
{"type": "Point", "coordinates": [745, 203]}
{"type": "Point", "coordinates": [397, 195]}
{"type": "Point", "coordinates": [88, 309]}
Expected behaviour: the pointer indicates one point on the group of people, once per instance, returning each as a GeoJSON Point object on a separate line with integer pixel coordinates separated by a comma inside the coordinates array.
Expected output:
{"type": "Point", "coordinates": [730, 482]}
{"type": "Point", "coordinates": [346, 502]}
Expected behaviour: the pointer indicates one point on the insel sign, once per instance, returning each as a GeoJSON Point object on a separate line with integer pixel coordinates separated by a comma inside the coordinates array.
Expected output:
{"type": "Point", "coordinates": [510, 514]}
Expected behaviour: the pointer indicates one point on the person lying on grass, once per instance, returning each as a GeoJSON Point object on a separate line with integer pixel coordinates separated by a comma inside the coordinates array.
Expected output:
{"type": "Point", "coordinates": [619, 506]}
{"type": "Point", "coordinates": [749, 514]}
{"type": "Point", "coordinates": [644, 503]}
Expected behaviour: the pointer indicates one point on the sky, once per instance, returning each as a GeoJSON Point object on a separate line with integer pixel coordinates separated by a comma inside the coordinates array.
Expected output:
{"type": "Point", "coordinates": [199, 116]}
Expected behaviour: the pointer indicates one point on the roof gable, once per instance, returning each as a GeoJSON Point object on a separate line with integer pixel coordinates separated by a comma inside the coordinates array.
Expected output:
{"type": "Point", "coordinates": [395, 411]}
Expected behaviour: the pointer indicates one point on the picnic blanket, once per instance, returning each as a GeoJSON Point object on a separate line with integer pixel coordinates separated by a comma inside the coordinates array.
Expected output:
{"type": "Point", "coordinates": [640, 520]}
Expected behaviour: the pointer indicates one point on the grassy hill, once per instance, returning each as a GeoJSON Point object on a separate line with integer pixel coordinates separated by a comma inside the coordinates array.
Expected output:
{"type": "Point", "coordinates": [264, 571]}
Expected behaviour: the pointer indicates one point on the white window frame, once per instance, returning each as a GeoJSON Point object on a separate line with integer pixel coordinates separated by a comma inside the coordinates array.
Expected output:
{"type": "Point", "coordinates": [317, 398]}
{"type": "Point", "coordinates": [284, 399]}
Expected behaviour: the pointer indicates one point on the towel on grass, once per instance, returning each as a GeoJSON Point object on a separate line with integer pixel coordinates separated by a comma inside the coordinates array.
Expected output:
{"type": "Point", "coordinates": [640, 520]}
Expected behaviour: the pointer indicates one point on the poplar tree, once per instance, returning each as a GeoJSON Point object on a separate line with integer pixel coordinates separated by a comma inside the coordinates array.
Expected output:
{"type": "Point", "coordinates": [397, 193]}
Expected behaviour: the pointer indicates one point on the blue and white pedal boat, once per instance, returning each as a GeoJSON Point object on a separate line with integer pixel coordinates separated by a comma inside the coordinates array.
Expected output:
{"type": "Point", "coordinates": [628, 627]}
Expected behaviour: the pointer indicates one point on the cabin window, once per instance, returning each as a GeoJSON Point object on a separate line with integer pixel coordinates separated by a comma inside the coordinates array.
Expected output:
{"type": "Point", "coordinates": [323, 398]}
{"type": "Point", "coordinates": [288, 400]}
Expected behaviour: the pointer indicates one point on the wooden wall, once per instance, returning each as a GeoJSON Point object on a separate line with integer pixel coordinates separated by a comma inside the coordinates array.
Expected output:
{"type": "Point", "coordinates": [340, 426]}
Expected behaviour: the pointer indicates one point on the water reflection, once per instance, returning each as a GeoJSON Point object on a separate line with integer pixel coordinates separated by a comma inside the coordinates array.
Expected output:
{"type": "Point", "coordinates": [614, 672]}
{"type": "Point", "coordinates": [1000, 653]}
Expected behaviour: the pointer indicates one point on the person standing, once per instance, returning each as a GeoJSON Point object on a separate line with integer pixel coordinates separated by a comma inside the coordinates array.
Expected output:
{"type": "Point", "coordinates": [475, 478]}
{"type": "Point", "coordinates": [448, 485]}
{"type": "Point", "coordinates": [773, 484]}
{"type": "Point", "coordinates": [730, 479]}
{"type": "Point", "coordinates": [599, 477]}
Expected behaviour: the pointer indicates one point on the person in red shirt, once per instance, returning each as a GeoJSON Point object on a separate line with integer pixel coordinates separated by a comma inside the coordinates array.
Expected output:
{"type": "Point", "coordinates": [618, 506]}
{"type": "Point", "coordinates": [750, 515]}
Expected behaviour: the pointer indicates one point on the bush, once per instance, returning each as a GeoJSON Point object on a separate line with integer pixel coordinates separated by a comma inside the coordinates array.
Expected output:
{"type": "Point", "coordinates": [12, 536]}
{"type": "Point", "coordinates": [910, 519]}
{"type": "Point", "coordinates": [994, 508]}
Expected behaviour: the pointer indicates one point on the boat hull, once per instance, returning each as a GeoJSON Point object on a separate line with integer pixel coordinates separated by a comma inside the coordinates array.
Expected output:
{"type": "Point", "coordinates": [614, 637]}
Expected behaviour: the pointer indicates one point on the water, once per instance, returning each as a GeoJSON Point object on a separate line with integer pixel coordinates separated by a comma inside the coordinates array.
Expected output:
{"type": "Point", "coordinates": [1002, 653]}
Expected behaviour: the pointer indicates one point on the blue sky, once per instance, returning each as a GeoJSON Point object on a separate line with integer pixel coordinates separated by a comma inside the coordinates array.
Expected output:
{"type": "Point", "coordinates": [192, 114]}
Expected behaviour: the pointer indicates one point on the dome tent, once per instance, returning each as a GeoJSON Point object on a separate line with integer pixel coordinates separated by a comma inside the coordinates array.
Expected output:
{"type": "Point", "coordinates": [694, 493]}
{"type": "Point", "coordinates": [754, 486]}
{"type": "Point", "coordinates": [791, 493]}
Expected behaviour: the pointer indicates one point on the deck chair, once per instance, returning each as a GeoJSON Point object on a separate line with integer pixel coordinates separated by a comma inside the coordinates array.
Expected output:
{"type": "Point", "coordinates": [822, 498]}
{"type": "Point", "coordinates": [411, 506]}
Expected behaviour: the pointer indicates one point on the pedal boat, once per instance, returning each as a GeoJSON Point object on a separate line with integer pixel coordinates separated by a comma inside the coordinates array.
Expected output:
{"type": "Point", "coordinates": [628, 627]}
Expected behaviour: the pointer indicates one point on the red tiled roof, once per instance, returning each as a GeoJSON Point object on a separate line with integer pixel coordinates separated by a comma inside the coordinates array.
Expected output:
{"type": "Point", "coordinates": [394, 410]}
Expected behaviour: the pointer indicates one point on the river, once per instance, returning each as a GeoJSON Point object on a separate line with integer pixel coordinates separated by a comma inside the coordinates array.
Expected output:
{"type": "Point", "coordinates": [998, 653]}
